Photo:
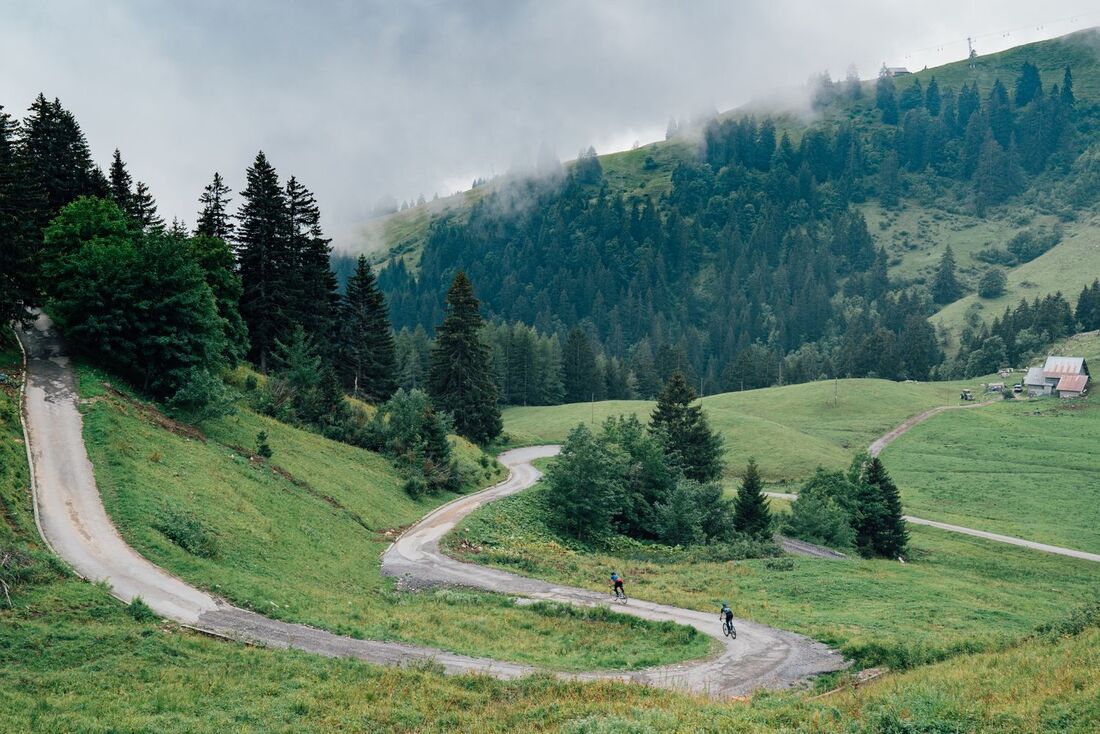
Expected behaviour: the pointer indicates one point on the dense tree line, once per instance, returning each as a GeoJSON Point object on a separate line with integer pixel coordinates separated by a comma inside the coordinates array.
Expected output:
{"type": "Point", "coordinates": [754, 268]}
{"type": "Point", "coordinates": [1021, 333]}
{"type": "Point", "coordinates": [169, 309]}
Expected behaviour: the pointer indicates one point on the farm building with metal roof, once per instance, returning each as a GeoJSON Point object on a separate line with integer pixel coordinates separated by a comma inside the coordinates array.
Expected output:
{"type": "Point", "coordinates": [1066, 377]}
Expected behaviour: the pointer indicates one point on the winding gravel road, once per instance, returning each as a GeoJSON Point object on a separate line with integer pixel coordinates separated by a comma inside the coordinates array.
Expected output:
{"type": "Point", "coordinates": [74, 523]}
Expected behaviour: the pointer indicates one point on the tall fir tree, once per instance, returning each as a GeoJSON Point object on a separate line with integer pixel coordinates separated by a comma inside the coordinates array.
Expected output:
{"type": "Point", "coordinates": [20, 239]}
{"type": "Point", "coordinates": [122, 185]}
{"type": "Point", "coordinates": [886, 97]}
{"type": "Point", "coordinates": [144, 210]}
{"type": "Point", "coordinates": [310, 284]}
{"type": "Point", "coordinates": [58, 157]}
{"type": "Point", "coordinates": [684, 433]}
{"type": "Point", "coordinates": [263, 260]}
{"type": "Point", "coordinates": [890, 538]}
{"type": "Point", "coordinates": [945, 286]}
{"type": "Point", "coordinates": [367, 362]}
{"type": "Point", "coordinates": [214, 217]}
{"type": "Point", "coordinates": [461, 377]}
{"type": "Point", "coordinates": [751, 513]}
{"type": "Point", "coordinates": [578, 367]}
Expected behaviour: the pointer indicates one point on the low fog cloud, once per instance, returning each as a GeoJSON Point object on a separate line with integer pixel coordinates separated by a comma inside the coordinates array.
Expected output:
{"type": "Point", "coordinates": [361, 100]}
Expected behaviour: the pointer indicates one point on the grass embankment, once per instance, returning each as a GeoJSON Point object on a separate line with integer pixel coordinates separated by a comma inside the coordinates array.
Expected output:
{"type": "Point", "coordinates": [299, 539]}
{"type": "Point", "coordinates": [1023, 468]}
{"type": "Point", "coordinates": [791, 430]}
{"type": "Point", "coordinates": [957, 594]}
{"type": "Point", "coordinates": [72, 659]}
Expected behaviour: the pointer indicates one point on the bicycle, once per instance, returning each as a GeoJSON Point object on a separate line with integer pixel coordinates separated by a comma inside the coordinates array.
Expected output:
{"type": "Point", "coordinates": [728, 629]}
{"type": "Point", "coordinates": [618, 594]}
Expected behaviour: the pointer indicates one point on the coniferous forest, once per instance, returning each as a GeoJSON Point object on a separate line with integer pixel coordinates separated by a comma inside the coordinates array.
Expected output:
{"type": "Point", "coordinates": [755, 268]}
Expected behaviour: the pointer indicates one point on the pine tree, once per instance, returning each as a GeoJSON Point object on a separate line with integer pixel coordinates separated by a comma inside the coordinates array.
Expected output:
{"type": "Point", "coordinates": [945, 286]}
{"type": "Point", "coordinates": [19, 235]}
{"type": "Point", "coordinates": [932, 101]}
{"type": "Point", "coordinates": [578, 367]}
{"type": "Point", "coordinates": [890, 538]}
{"type": "Point", "coordinates": [885, 97]}
{"type": "Point", "coordinates": [143, 210]}
{"type": "Point", "coordinates": [889, 182]}
{"type": "Point", "coordinates": [311, 284]}
{"type": "Point", "coordinates": [367, 362]}
{"type": "Point", "coordinates": [214, 218]}
{"type": "Point", "coordinates": [1068, 100]}
{"type": "Point", "coordinates": [122, 186]}
{"type": "Point", "coordinates": [684, 433]}
{"type": "Point", "coordinates": [461, 378]}
{"type": "Point", "coordinates": [1028, 85]}
{"type": "Point", "coordinates": [751, 513]}
{"type": "Point", "coordinates": [58, 157]}
{"type": "Point", "coordinates": [263, 260]}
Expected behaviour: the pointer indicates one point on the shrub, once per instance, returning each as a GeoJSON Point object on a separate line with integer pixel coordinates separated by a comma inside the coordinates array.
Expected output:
{"type": "Point", "coordinates": [186, 531]}
{"type": "Point", "coordinates": [140, 611]}
{"type": "Point", "coordinates": [201, 397]}
{"type": "Point", "coordinates": [992, 283]}
{"type": "Point", "coordinates": [263, 448]}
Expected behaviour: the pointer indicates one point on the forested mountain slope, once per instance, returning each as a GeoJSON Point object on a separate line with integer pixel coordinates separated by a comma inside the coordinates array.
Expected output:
{"type": "Point", "coordinates": [767, 249]}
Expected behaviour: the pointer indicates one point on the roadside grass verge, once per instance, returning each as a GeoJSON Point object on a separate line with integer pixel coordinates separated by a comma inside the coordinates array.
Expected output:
{"type": "Point", "coordinates": [791, 430]}
{"type": "Point", "coordinates": [1023, 468]}
{"type": "Point", "coordinates": [956, 595]}
{"type": "Point", "coordinates": [299, 538]}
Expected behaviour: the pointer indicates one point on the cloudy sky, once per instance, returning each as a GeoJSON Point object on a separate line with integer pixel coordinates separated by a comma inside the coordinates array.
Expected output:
{"type": "Point", "coordinates": [361, 99]}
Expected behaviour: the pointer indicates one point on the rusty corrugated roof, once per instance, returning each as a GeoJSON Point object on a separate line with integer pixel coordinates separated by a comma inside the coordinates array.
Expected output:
{"type": "Point", "coordinates": [1056, 366]}
{"type": "Point", "coordinates": [1073, 383]}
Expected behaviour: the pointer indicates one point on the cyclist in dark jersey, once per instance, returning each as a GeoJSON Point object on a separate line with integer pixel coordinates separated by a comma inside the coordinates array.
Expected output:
{"type": "Point", "coordinates": [726, 615]}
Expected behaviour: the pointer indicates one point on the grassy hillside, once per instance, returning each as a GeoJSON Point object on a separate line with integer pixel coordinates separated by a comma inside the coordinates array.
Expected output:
{"type": "Point", "coordinates": [300, 538]}
{"type": "Point", "coordinates": [956, 594]}
{"type": "Point", "coordinates": [73, 659]}
{"type": "Point", "coordinates": [790, 430]}
{"type": "Point", "coordinates": [1028, 469]}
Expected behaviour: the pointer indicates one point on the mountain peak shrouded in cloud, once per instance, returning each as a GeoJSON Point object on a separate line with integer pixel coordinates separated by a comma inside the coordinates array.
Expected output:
{"type": "Point", "coordinates": [366, 101]}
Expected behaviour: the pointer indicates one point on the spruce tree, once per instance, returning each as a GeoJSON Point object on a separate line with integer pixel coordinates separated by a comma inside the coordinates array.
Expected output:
{"type": "Point", "coordinates": [19, 234]}
{"type": "Point", "coordinates": [1068, 100]}
{"type": "Point", "coordinates": [143, 210]}
{"type": "Point", "coordinates": [214, 217]}
{"type": "Point", "coordinates": [58, 157]}
{"type": "Point", "coordinates": [122, 186]}
{"type": "Point", "coordinates": [945, 286]}
{"type": "Point", "coordinates": [1028, 85]}
{"type": "Point", "coordinates": [932, 100]}
{"type": "Point", "coordinates": [367, 361]}
{"type": "Point", "coordinates": [310, 284]}
{"type": "Point", "coordinates": [263, 260]}
{"type": "Point", "coordinates": [684, 433]}
{"type": "Point", "coordinates": [461, 377]}
{"type": "Point", "coordinates": [886, 98]}
{"type": "Point", "coordinates": [751, 513]}
{"type": "Point", "coordinates": [890, 538]}
{"type": "Point", "coordinates": [578, 367]}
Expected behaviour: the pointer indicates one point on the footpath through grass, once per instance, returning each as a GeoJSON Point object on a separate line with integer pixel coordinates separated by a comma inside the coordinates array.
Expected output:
{"type": "Point", "coordinates": [791, 430]}
{"type": "Point", "coordinates": [957, 594]}
{"type": "Point", "coordinates": [73, 659]}
{"type": "Point", "coordinates": [1023, 468]}
{"type": "Point", "coordinates": [300, 538]}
